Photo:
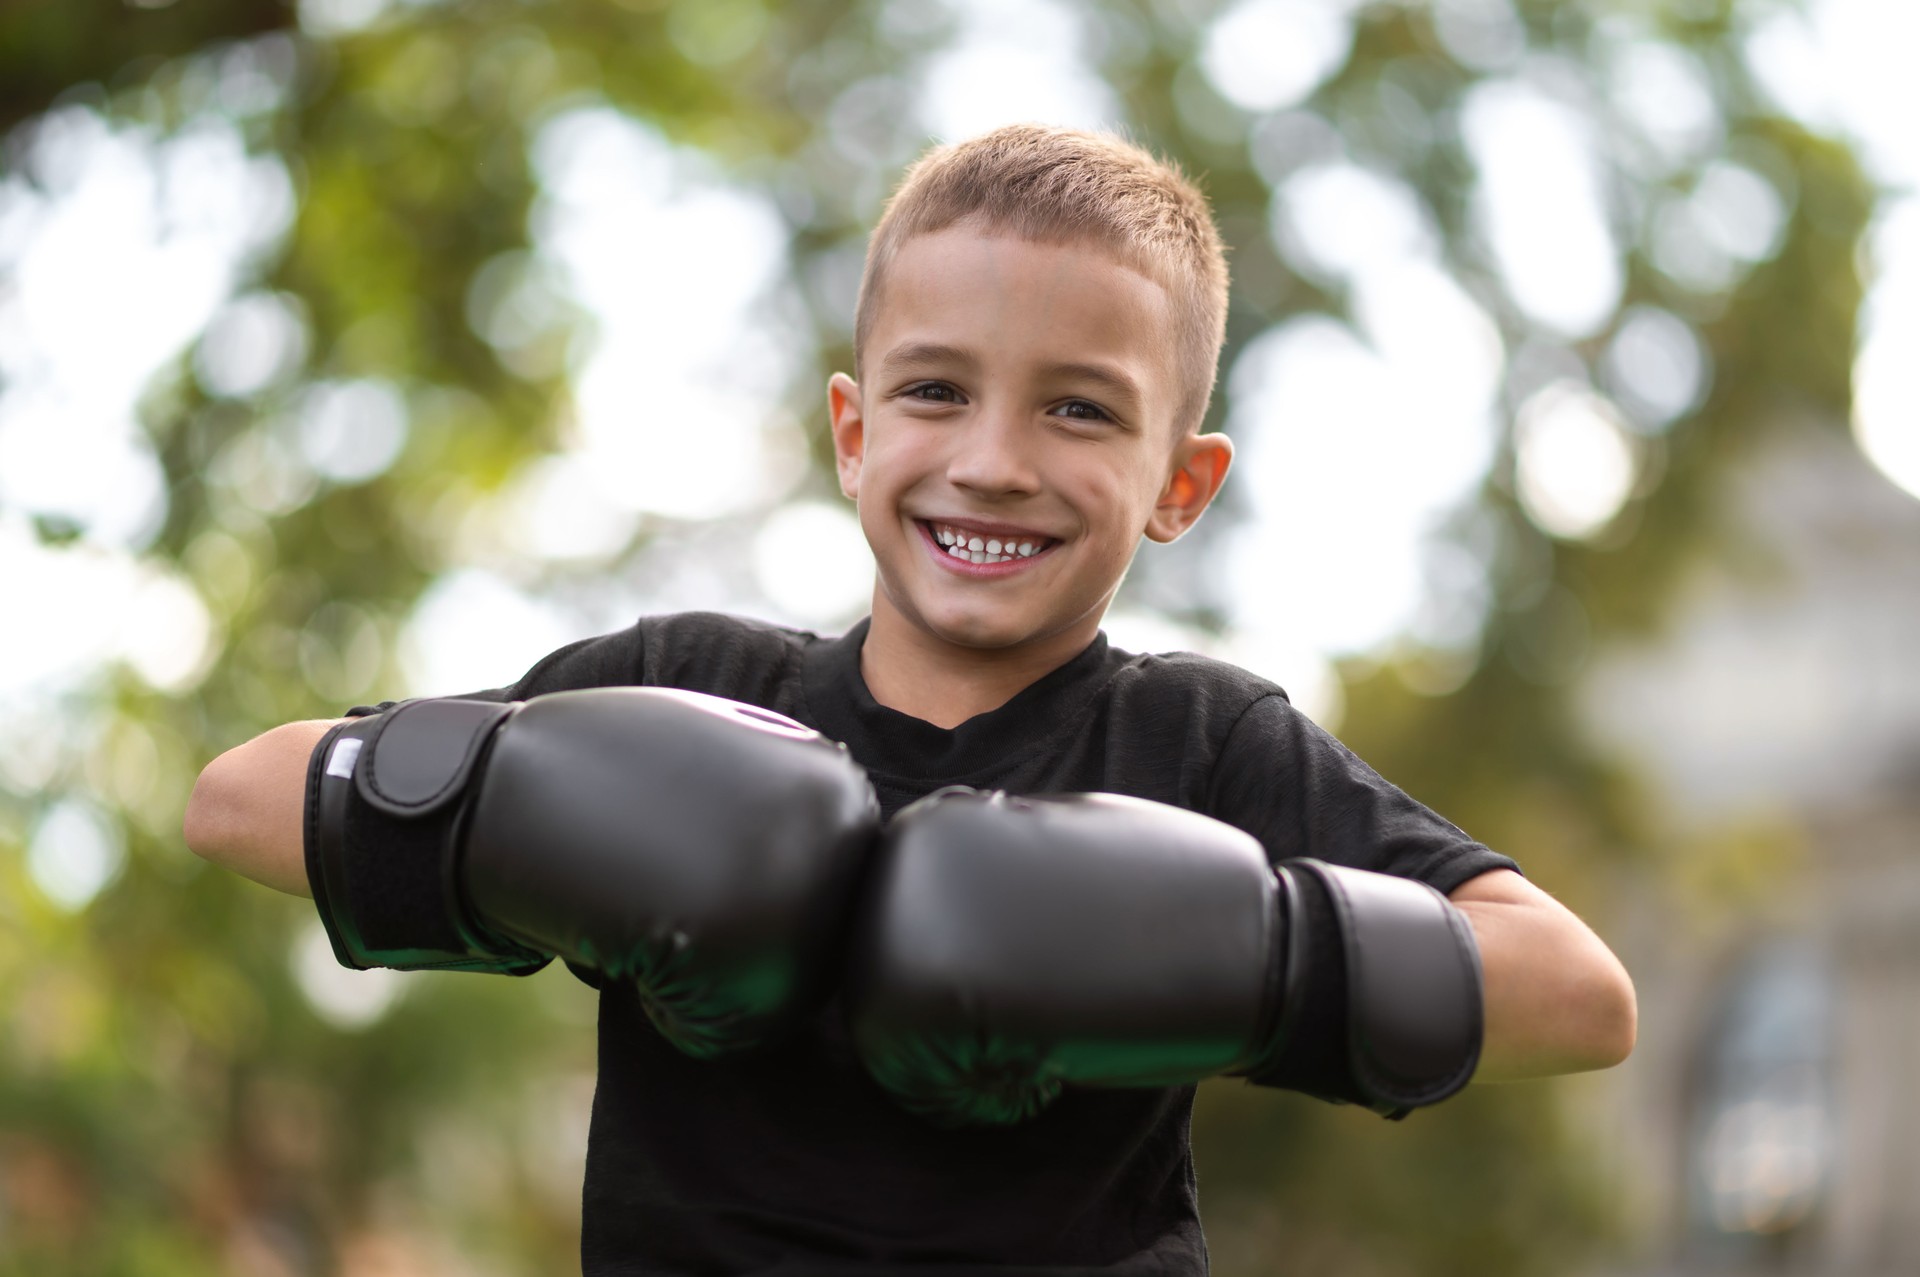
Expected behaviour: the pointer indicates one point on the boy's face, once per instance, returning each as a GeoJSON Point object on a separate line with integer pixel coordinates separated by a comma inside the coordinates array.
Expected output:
{"type": "Point", "coordinates": [1014, 438]}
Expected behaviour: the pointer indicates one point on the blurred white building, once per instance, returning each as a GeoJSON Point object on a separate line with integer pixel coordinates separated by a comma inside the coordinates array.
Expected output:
{"type": "Point", "coordinates": [1770, 1120]}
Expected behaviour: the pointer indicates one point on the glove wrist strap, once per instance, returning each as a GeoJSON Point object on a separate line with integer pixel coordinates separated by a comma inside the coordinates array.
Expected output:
{"type": "Point", "coordinates": [1382, 991]}
{"type": "Point", "coordinates": [384, 801]}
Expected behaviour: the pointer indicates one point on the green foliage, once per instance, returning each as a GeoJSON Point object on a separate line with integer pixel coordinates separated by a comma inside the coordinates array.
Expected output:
{"type": "Point", "coordinates": [1290, 1183]}
{"type": "Point", "coordinates": [48, 50]}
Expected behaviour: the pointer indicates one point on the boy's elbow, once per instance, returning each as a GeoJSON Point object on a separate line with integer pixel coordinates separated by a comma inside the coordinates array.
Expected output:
{"type": "Point", "coordinates": [209, 814]}
{"type": "Point", "coordinates": [1629, 1019]}
{"type": "Point", "coordinates": [247, 806]}
{"type": "Point", "coordinates": [1614, 1017]}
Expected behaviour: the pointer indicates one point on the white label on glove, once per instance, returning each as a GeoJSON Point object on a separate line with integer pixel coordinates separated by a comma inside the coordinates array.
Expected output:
{"type": "Point", "coordinates": [345, 753]}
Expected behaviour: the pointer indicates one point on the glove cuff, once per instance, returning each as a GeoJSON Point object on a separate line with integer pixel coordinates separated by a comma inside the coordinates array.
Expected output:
{"type": "Point", "coordinates": [384, 803]}
{"type": "Point", "coordinates": [1382, 1001]}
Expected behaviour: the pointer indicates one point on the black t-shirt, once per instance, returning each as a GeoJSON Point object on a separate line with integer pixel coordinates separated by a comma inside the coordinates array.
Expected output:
{"type": "Point", "coordinates": [789, 1160]}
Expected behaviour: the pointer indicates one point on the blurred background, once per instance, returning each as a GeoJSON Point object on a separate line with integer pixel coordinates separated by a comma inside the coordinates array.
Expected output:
{"type": "Point", "coordinates": [355, 349]}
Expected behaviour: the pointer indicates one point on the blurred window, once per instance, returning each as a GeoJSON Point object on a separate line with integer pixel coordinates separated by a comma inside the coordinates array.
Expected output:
{"type": "Point", "coordinates": [1760, 1147]}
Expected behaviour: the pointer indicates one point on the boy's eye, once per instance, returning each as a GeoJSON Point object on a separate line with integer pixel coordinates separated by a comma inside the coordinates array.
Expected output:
{"type": "Point", "coordinates": [1081, 410]}
{"type": "Point", "coordinates": [939, 392]}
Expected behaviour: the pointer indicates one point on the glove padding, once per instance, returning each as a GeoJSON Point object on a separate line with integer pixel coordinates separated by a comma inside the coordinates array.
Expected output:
{"type": "Point", "coordinates": [705, 849]}
{"type": "Point", "coordinates": [1009, 946]}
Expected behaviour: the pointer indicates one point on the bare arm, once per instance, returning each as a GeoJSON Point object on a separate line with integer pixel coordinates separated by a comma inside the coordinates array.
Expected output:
{"type": "Point", "coordinates": [245, 812]}
{"type": "Point", "coordinates": [1558, 1001]}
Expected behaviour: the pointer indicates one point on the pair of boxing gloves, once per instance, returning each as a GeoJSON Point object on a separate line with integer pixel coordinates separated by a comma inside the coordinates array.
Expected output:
{"type": "Point", "coordinates": [990, 949]}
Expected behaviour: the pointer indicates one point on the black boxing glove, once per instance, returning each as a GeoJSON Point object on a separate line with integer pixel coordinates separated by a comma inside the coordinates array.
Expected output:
{"type": "Point", "coordinates": [704, 849]}
{"type": "Point", "coordinates": [1008, 947]}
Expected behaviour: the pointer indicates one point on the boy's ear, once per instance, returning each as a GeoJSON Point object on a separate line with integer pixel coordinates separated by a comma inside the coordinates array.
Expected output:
{"type": "Point", "coordinates": [1200, 464]}
{"type": "Point", "coordinates": [849, 431]}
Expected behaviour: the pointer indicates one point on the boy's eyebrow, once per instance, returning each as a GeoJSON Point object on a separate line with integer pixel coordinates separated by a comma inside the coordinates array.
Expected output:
{"type": "Point", "coordinates": [923, 353]}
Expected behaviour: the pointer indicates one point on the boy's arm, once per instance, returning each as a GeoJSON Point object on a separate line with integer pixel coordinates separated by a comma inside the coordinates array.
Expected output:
{"type": "Point", "coordinates": [1557, 1000]}
{"type": "Point", "coordinates": [247, 806]}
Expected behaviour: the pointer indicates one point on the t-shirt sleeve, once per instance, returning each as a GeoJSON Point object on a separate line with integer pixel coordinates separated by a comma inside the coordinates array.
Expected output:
{"type": "Point", "coordinates": [1291, 784]}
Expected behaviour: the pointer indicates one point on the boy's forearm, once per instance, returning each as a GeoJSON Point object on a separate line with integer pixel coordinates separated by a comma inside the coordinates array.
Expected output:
{"type": "Point", "coordinates": [245, 812]}
{"type": "Point", "coordinates": [1557, 1000]}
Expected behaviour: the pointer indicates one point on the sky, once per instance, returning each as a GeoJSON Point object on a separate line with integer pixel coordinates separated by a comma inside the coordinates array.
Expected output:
{"type": "Point", "coordinates": [127, 247]}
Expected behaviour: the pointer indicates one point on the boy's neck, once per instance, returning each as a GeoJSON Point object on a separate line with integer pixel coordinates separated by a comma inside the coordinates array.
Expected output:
{"type": "Point", "coordinates": [913, 672]}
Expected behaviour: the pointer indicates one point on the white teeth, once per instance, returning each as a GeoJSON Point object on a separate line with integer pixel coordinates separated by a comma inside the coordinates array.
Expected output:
{"type": "Point", "coordinates": [974, 549]}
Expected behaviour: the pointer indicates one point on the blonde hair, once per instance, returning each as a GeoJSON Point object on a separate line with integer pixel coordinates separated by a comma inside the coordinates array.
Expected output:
{"type": "Point", "coordinates": [1058, 185]}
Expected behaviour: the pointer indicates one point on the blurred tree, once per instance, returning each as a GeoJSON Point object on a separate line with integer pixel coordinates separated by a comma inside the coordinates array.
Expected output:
{"type": "Point", "coordinates": [175, 1096]}
{"type": "Point", "coordinates": [49, 47]}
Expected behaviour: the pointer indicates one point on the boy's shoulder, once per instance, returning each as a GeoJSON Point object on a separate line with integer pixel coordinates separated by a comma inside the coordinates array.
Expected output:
{"type": "Point", "coordinates": [1190, 682]}
{"type": "Point", "coordinates": [701, 651]}
{"type": "Point", "coordinates": [703, 645]}
{"type": "Point", "coordinates": [675, 629]}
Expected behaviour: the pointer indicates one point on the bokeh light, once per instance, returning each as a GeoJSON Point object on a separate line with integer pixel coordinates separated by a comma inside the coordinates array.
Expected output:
{"type": "Point", "coordinates": [687, 361]}
{"type": "Point", "coordinates": [1267, 54]}
{"type": "Point", "coordinates": [255, 341]}
{"type": "Point", "coordinates": [75, 850]}
{"type": "Point", "coordinates": [811, 560]}
{"type": "Point", "coordinates": [1886, 378]}
{"type": "Point", "coordinates": [1655, 367]}
{"type": "Point", "coordinates": [472, 630]}
{"type": "Point", "coordinates": [1543, 202]}
{"type": "Point", "coordinates": [1011, 61]}
{"type": "Point", "coordinates": [1573, 459]}
{"type": "Point", "coordinates": [343, 997]}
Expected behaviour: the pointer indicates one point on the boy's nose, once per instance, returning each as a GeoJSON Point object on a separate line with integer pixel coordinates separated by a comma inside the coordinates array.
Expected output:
{"type": "Point", "coordinates": [993, 456]}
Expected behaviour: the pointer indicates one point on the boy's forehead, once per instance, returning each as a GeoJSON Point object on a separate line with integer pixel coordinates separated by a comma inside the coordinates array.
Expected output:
{"type": "Point", "coordinates": [1039, 260]}
{"type": "Point", "coordinates": [1063, 297]}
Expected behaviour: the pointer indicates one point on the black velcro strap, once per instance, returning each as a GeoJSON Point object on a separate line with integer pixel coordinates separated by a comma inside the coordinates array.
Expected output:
{"type": "Point", "coordinates": [1308, 1051]}
{"type": "Point", "coordinates": [328, 768]}
{"type": "Point", "coordinates": [1383, 1004]}
{"type": "Point", "coordinates": [378, 865]}
{"type": "Point", "coordinates": [420, 756]}
{"type": "Point", "coordinates": [1415, 1015]}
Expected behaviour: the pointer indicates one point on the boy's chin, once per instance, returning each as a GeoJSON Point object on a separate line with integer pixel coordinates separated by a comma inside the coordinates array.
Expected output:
{"type": "Point", "coordinates": [991, 631]}
{"type": "Point", "coordinates": [982, 636]}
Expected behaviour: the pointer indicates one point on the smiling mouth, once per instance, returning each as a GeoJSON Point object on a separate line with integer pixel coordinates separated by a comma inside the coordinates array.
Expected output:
{"type": "Point", "coordinates": [972, 546]}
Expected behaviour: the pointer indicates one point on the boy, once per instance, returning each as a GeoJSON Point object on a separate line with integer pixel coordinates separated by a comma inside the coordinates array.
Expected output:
{"type": "Point", "coordinates": [1035, 346]}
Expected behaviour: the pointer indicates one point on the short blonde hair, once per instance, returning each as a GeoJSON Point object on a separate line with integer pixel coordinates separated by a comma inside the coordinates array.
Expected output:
{"type": "Point", "coordinates": [1058, 185]}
